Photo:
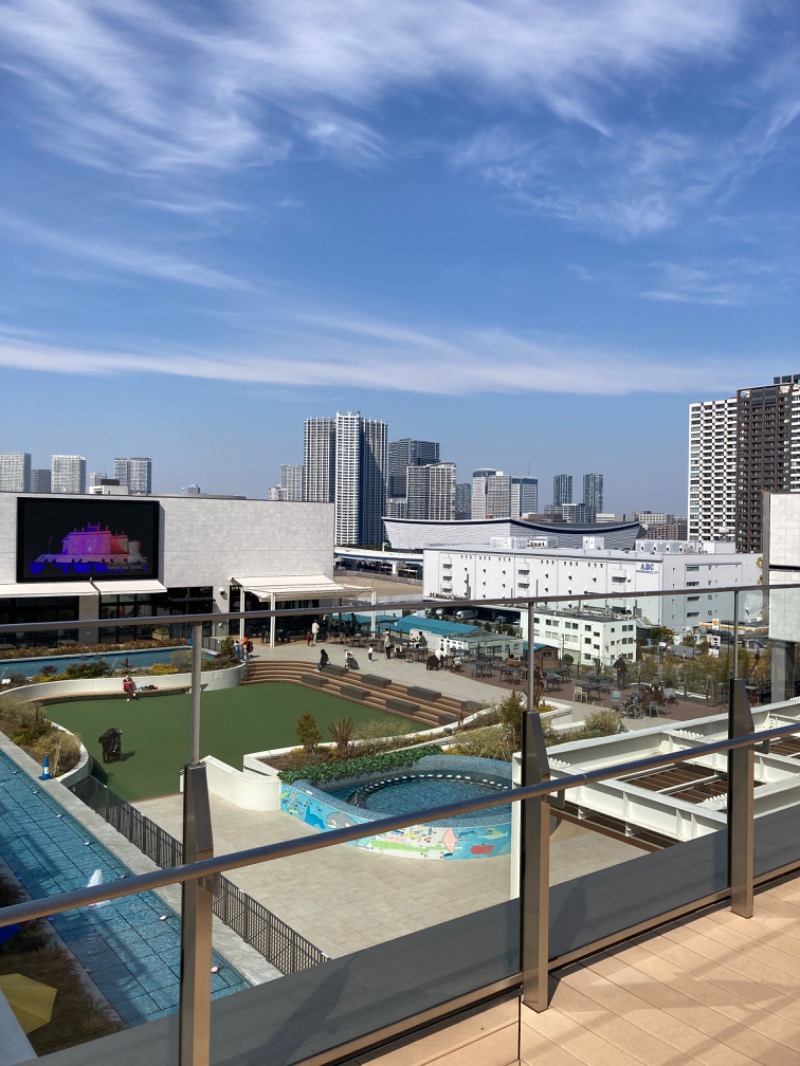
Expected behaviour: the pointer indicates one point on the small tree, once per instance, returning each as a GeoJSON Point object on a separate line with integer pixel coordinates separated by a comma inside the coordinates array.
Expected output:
{"type": "Point", "coordinates": [308, 732]}
{"type": "Point", "coordinates": [510, 711]}
{"type": "Point", "coordinates": [341, 730]}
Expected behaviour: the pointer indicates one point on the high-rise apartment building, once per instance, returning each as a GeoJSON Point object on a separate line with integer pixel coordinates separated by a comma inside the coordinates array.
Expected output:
{"type": "Point", "coordinates": [405, 453]}
{"type": "Point", "coordinates": [96, 478]}
{"type": "Point", "coordinates": [562, 489]}
{"type": "Point", "coordinates": [767, 452]}
{"type": "Point", "coordinates": [136, 473]}
{"type": "Point", "coordinates": [593, 494]}
{"type": "Point", "coordinates": [69, 473]}
{"type": "Point", "coordinates": [319, 460]}
{"type": "Point", "coordinates": [41, 480]}
{"type": "Point", "coordinates": [480, 484]}
{"type": "Point", "coordinates": [464, 500]}
{"type": "Point", "coordinates": [499, 495]}
{"type": "Point", "coordinates": [431, 492]}
{"type": "Point", "coordinates": [711, 513]}
{"type": "Point", "coordinates": [291, 487]}
{"type": "Point", "coordinates": [15, 472]}
{"type": "Point", "coordinates": [739, 448]}
{"type": "Point", "coordinates": [524, 496]}
{"type": "Point", "coordinates": [345, 464]}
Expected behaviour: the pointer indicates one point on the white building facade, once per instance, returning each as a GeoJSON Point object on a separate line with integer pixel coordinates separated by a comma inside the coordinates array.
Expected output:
{"type": "Point", "coordinates": [69, 473]}
{"type": "Point", "coordinates": [506, 569]}
{"type": "Point", "coordinates": [712, 470]}
{"type": "Point", "coordinates": [15, 472]}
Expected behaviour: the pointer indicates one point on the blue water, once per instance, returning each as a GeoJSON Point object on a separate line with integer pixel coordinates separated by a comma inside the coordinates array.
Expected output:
{"type": "Point", "coordinates": [130, 953]}
{"type": "Point", "coordinates": [416, 791]}
{"type": "Point", "coordinates": [115, 659]}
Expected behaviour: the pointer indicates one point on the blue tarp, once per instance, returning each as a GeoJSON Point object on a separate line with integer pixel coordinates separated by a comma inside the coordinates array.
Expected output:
{"type": "Point", "coordinates": [437, 626]}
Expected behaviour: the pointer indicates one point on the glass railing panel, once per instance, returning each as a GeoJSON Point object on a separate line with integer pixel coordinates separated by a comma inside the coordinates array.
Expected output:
{"type": "Point", "coordinates": [113, 965]}
{"type": "Point", "coordinates": [381, 929]}
{"type": "Point", "coordinates": [768, 663]}
{"type": "Point", "coordinates": [626, 850]}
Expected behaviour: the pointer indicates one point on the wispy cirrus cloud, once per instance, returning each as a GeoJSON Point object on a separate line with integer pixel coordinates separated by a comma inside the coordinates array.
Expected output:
{"type": "Point", "coordinates": [139, 86]}
{"type": "Point", "coordinates": [726, 282]}
{"type": "Point", "coordinates": [123, 257]}
{"type": "Point", "coordinates": [356, 351]}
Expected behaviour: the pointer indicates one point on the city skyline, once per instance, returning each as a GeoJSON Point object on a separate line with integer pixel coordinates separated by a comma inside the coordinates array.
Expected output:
{"type": "Point", "coordinates": [535, 236]}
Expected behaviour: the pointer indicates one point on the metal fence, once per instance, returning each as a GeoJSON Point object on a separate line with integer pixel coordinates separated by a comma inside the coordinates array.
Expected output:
{"type": "Point", "coordinates": [280, 945]}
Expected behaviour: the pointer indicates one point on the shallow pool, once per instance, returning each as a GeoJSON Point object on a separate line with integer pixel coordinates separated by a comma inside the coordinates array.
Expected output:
{"type": "Point", "coordinates": [409, 792]}
{"type": "Point", "coordinates": [116, 660]}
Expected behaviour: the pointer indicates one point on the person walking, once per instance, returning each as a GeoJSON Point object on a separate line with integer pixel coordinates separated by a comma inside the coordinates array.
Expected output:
{"type": "Point", "coordinates": [387, 646]}
{"type": "Point", "coordinates": [308, 639]}
{"type": "Point", "coordinates": [370, 653]}
{"type": "Point", "coordinates": [314, 631]}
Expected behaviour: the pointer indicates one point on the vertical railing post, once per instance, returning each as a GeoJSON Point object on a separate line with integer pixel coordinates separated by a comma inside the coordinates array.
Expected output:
{"type": "Point", "coordinates": [531, 656]}
{"type": "Point", "coordinates": [741, 782]}
{"type": "Point", "coordinates": [736, 634]}
{"type": "Point", "coordinates": [534, 868]}
{"type": "Point", "coordinates": [197, 667]}
{"type": "Point", "coordinates": [196, 917]}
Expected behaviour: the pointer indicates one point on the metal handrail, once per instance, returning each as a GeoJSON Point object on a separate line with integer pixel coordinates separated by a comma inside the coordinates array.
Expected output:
{"type": "Point", "coordinates": [300, 845]}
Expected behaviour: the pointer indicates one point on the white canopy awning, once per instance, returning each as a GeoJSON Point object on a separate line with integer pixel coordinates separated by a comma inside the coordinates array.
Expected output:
{"type": "Point", "coordinates": [129, 587]}
{"type": "Point", "coordinates": [48, 588]}
{"type": "Point", "coordinates": [299, 587]}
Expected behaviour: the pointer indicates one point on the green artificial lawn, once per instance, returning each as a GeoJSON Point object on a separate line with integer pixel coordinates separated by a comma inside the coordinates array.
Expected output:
{"type": "Point", "coordinates": [155, 729]}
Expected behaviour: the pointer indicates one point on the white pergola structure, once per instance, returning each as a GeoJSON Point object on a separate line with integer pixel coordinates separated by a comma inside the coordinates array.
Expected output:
{"type": "Point", "coordinates": [275, 590]}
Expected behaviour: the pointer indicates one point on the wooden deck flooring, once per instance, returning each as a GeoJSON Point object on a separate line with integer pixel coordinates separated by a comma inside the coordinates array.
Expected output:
{"type": "Point", "coordinates": [716, 989]}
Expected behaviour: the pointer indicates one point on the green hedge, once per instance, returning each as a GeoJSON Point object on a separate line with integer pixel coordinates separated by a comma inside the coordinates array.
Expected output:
{"type": "Point", "coordinates": [342, 768]}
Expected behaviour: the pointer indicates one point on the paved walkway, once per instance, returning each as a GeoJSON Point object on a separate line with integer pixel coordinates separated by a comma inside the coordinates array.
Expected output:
{"type": "Point", "coordinates": [343, 899]}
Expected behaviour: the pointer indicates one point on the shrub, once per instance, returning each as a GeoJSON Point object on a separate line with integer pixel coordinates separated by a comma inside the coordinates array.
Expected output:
{"type": "Point", "coordinates": [31, 726]}
{"type": "Point", "coordinates": [602, 723]}
{"type": "Point", "coordinates": [164, 668]}
{"type": "Point", "coordinates": [79, 670]}
{"type": "Point", "coordinates": [375, 734]}
{"type": "Point", "coordinates": [488, 743]}
{"type": "Point", "coordinates": [182, 661]}
{"type": "Point", "coordinates": [63, 750]}
{"type": "Point", "coordinates": [308, 731]}
{"type": "Point", "coordinates": [40, 679]}
{"type": "Point", "coordinates": [333, 771]}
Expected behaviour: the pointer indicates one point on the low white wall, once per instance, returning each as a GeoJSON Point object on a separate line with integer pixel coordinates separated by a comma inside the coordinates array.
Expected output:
{"type": "Point", "coordinates": [250, 792]}
{"type": "Point", "coordinates": [112, 686]}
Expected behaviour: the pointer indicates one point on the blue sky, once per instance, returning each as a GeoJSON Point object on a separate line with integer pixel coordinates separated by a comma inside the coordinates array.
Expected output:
{"type": "Point", "coordinates": [533, 231]}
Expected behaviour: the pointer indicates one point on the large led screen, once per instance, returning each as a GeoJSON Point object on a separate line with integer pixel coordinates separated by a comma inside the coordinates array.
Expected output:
{"type": "Point", "coordinates": [68, 540]}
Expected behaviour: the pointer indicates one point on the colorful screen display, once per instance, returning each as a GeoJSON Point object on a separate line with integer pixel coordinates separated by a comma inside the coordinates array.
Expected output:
{"type": "Point", "coordinates": [72, 540]}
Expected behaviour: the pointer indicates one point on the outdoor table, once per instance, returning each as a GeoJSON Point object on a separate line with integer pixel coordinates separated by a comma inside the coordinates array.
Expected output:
{"type": "Point", "coordinates": [481, 669]}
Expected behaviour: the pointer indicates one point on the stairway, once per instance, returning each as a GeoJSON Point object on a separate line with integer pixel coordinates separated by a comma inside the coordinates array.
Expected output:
{"type": "Point", "coordinates": [424, 707]}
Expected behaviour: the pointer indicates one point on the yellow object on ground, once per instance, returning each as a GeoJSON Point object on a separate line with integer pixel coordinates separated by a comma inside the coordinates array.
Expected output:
{"type": "Point", "coordinates": [31, 1001]}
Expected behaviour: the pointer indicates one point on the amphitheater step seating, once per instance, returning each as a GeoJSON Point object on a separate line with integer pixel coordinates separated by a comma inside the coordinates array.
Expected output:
{"type": "Point", "coordinates": [425, 707]}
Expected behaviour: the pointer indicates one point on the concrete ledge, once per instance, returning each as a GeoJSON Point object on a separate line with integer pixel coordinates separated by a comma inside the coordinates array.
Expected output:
{"type": "Point", "coordinates": [313, 679]}
{"type": "Point", "coordinates": [404, 706]}
{"type": "Point", "coordinates": [375, 680]}
{"type": "Point", "coordinates": [423, 694]}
